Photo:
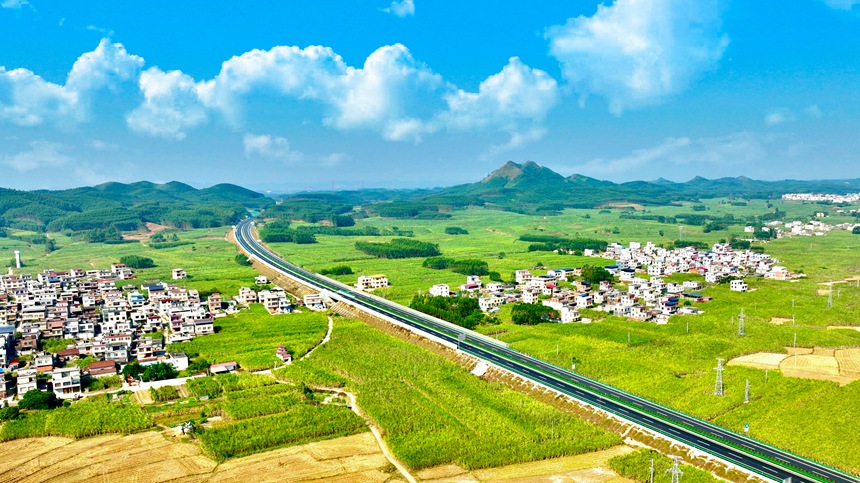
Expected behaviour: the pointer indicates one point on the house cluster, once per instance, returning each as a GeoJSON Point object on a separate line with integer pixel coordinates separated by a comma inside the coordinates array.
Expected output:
{"type": "Point", "coordinates": [825, 197]}
{"type": "Point", "coordinates": [100, 318]}
{"type": "Point", "coordinates": [635, 296]}
{"type": "Point", "coordinates": [779, 229]}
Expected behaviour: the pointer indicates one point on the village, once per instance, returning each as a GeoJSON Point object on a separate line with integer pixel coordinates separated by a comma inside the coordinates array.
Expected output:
{"type": "Point", "coordinates": [108, 322]}
{"type": "Point", "coordinates": [629, 293]}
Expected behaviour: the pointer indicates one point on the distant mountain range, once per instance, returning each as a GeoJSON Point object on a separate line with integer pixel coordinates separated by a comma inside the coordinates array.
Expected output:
{"type": "Point", "coordinates": [523, 188]}
{"type": "Point", "coordinates": [127, 206]}
{"type": "Point", "coordinates": [530, 186]}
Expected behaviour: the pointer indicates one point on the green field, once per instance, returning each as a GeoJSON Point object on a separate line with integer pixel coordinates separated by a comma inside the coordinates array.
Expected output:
{"type": "Point", "coordinates": [433, 412]}
{"type": "Point", "coordinates": [665, 363]}
{"type": "Point", "coordinates": [252, 336]}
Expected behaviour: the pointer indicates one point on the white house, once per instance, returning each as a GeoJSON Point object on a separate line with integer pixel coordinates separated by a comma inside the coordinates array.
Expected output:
{"type": "Point", "coordinates": [738, 286]}
{"type": "Point", "coordinates": [178, 274]}
{"type": "Point", "coordinates": [371, 282]}
{"type": "Point", "coordinates": [66, 382]}
{"type": "Point", "coordinates": [440, 290]}
{"type": "Point", "coordinates": [530, 297]}
{"type": "Point", "coordinates": [490, 303]}
{"type": "Point", "coordinates": [569, 314]}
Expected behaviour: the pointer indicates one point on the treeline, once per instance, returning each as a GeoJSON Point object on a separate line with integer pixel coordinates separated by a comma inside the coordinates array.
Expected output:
{"type": "Point", "coordinates": [466, 267]}
{"type": "Point", "coordinates": [549, 243]}
{"type": "Point", "coordinates": [399, 248]}
{"type": "Point", "coordinates": [313, 208]}
{"type": "Point", "coordinates": [338, 270]}
{"type": "Point", "coordinates": [126, 207]}
{"type": "Point", "coordinates": [463, 311]}
{"type": "Point", "coordinates": [280, 231]}
{"type": "Point", "coordinates": [407, 209]}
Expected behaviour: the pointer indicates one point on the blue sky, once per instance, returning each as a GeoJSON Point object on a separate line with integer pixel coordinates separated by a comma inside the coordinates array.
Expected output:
{"type": "Point", "coordinates": [281, 96]}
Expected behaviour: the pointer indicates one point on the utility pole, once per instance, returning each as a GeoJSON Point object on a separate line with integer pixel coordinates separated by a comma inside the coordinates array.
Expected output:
{"type": "Point", "coordinates": [741, 318]}
{"type": "Point", "coordinates": [765, 375]}
{"type": "Point", "coordinates": [718, 385]}
{"type": "Point", "coordinates": [830, 297]}
{"type": "Point", "coordinates": [628, 338]}
{"type": "Point", "coordinates": [688, 326]}
{"type": "Point", "coordinates": [675, 470]}
{"type": "Point", "coordinates": [747, 392]}
{"type": "Point", "coordinates": [795, 340]}
{"type": "Point", "coordinates": [680, 232]}
{"type": "Point", "coordinates": [651, 472]}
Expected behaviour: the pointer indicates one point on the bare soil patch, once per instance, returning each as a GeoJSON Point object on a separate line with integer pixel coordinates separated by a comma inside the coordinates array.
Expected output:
{"type": "Point", "coordinates": [151, 229]}
{"type": "Point", "coordinates": [849, 361]}
{"type": "Point", "coordinates": [779, 320]}
{"type": "Point", "coordinates": [759, 360]}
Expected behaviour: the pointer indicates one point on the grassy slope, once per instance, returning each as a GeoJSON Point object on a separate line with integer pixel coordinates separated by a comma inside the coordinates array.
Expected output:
{"type": "Point", "coordinates": [251, 337]}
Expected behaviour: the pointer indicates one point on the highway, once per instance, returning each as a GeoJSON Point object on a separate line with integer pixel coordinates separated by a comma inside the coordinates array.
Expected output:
{"type": "Point", "coordinates": [760, 458]}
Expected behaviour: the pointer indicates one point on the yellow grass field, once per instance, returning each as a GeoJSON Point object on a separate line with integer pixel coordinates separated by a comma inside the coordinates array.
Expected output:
{"type": "Point", "coordinates": [154, 457]}
{"type": "Point", "coordinates": [586, 468]}
{"type": "Point", "coordinates": [823, 363]}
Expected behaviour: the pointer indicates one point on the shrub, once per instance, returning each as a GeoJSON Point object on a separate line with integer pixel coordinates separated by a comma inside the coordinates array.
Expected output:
{"type": "Point", "coordinates": [338, 270]}
{"type": "Point", "coordinates": [242, 259]}
{"type": "Point", "coordinates": [456, 230]}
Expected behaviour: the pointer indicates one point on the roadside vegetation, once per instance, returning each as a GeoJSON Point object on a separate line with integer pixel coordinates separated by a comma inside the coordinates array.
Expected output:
{"type": "Point", "coordinates": [434, 412]}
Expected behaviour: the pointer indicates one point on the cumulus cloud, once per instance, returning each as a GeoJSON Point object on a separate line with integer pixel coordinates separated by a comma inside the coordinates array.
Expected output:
{"type": "Point", "coordinates": [171, 104]}
{"type": "Point", "coordinates": [638, 52]}
{"type": "Point", "coordinates": [27, 99]}
{"type": "Point", "coordinates": [41, 154]}
{"type": "Point", "coordinates": [273, 147]}
{"type": "Point", "coordinates": [402, 8]}
{"type": "Point", "coordinates": [736, 148]}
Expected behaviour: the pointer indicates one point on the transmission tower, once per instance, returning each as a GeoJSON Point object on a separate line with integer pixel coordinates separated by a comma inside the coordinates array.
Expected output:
{"type": "Point", "coordinates": [675, 470]}
{"type": "Point", "coordinates": [718, 385]}
{"type": "Point", "coordinates": [747, 392]}
{"type": "Point", "coordinates": [741, 318]}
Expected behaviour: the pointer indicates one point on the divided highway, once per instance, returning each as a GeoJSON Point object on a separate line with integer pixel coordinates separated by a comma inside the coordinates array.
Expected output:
{"type": "Point", "coordinates": [758, 457]}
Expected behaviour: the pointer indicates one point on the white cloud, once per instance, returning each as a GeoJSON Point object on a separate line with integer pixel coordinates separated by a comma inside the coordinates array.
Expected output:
{"type": "Point", "coordinates": [26, 99]}
{"type": "Point", "coordinates": [638, 52]}
{"type": "Point", "coordinates": [334, 159]}
{"type": "Point", "coordinates": [778, 116]}
{"type": "Point", "coordinates": [516, 93]}
{"type": "Point", "coordinates": [171, 104]}
{"type": "Point", "coordinates": [775, 117]}
{"type": "Point", "coordinates": [842, 4]}
{"type": "Point", "coordinates": [402, 8]}
{"type": "Point", "coordinates": [15, 4]}
{"type": "Point", "coordinates": [106, 66]}
{"type": "Point", "coordinates": [736, 148]}
{"type": "Point", "coordinates": [272, 147]}
{"type": "Point", "coordinates": [41, 154]}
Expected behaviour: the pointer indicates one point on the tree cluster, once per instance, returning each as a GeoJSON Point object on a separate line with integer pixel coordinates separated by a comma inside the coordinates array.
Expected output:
{"type": "Point", "coordinates": [399, 248]}
{"type": "Point", "coordinates": [463, 311]}
{"type": "Point", "coordinates": [466, 267]}
{"type": "Point", "coordinates": [532, 314]}
{"type": "Point", "coordinates": [137, 261]}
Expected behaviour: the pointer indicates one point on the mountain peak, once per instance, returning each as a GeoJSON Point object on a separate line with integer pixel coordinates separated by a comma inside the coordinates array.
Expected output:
{"type": "Point", "coordinates": [508, 171]}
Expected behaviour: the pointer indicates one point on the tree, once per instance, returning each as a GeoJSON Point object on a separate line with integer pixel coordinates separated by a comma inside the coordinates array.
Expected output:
{"type": "Point", "coordinates": [856, 230]}
{"type": "Point", "coordinates": [9, 412]}
{"type": "Point", "coordinates": [36, 399]}
{"type": "Point", "coordinates": [595, 275]}
{"type": "Point", "coordinates": [136, 261]}
{"type": "Point", "coordinates": [159, 372]}
{"type": "Point", "coordinates": [532, 314]}
{"type": "Point", "coordinates": [242, 259]}
{"type": "Point", "coordinates": [134, 370]}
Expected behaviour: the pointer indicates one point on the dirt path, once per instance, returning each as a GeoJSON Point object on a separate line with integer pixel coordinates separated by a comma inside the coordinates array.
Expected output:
{"type": "Point", "coordinates": [377, 432]}
{"type": "Point", "coordinates": [325, 339]}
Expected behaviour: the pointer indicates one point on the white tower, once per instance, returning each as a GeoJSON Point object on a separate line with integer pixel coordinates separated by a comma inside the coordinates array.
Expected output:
{"type": "Point", "coordinates": [17, 259]}
{"type": "Point", "coordinates": [675, 470]}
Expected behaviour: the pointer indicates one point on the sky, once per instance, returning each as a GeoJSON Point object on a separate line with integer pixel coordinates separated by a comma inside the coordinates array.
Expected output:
{"type": "Point", "coordinates": [293, 95]}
